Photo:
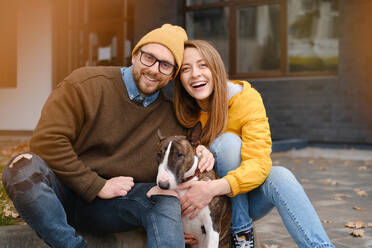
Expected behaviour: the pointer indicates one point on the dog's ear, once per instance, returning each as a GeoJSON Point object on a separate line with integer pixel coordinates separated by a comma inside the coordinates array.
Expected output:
{"type": "Point", "coordinates": [195, 134]}
{"type": "Point", "coordinates": [160, 136]}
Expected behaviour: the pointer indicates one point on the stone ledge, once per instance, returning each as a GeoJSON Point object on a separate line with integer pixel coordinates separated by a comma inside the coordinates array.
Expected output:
{"type": "Point", "coordinates": [22, 236]}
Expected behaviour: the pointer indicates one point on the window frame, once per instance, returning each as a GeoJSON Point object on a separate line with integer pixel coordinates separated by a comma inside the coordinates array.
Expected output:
{"type": "Point", "coordinates": [233, 6]}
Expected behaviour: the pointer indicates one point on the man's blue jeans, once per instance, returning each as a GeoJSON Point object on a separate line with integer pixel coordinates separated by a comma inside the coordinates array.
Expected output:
{"type": "Point", "coordinates": [280, 190]}
{"type": "Point", "coordinates": [54, 211]}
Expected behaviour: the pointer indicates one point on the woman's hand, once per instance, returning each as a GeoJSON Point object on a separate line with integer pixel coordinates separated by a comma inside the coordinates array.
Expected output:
{"type": "Point", "coordinates": [206, 158]}
{"type": "Point", "coordinates": [198, 196]}
{"type": "Point", "coordinates": [200, 193]}
{"type": "Point", "coordinates": [190, 239]}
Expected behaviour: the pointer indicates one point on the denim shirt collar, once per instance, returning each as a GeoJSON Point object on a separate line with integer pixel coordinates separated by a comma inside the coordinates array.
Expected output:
{"type": "Point", "coordinates": [132, 89]}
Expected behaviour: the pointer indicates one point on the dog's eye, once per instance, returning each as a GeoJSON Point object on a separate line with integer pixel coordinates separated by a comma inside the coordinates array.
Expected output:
{"type": "Point", "coordinates": [180, 155]}
{"type": "Point", "coordinates": [159, 155]}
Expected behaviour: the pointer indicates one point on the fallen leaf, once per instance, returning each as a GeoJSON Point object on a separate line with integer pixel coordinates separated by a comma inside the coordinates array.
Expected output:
{"type": "Point", "coordinates": [330, 162]}
{"type": "Point", "coordinates": [326, 221]}
{"type": "Point", "coordinates": [330, 181]}
{"type": "Point", "coordinates": [276, 163]}
{"type": "Point", "coordinates": [23, 147]}
{"type": "Point", "coordinates": [311, 161]}
{"type": "Point", "coordinates": [298, 161]}
{"type": "Point", "coordinates": [357, 233]}
{"type": "Point", "coordinates": [9, 213]}
{"type": "Point", "coordinates": [360, 168]}
{"type": "Point", "coordinates": [358, 208]}
{"type": "Point", "coordinates": [355, 224]}
{"type": "Point", "coordinates": [340, 197]}
{"type": "Point", "coordinates": [368, 163]}
{"type": "Point", "coordinates": [320, 163]}
{"type": "Point", "coordinates": [360, 192]}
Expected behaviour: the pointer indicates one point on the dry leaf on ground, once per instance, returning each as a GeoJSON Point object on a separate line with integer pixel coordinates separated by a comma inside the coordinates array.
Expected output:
{"type": "Point", "coordinates": [357, 233]}
{"type": "Point", "coordinates": [359, 208]}
{"type": "Point", "coordinates": [23, 147]}
{"type": "Point", "coordinates": [276, 162]}
{"type": "Point", "coordinates": [360, 192]}
{"type": "Point", "coordinates": [298, 161]}
{"type": "Point", "coordinates": [330, 181]}
{"type": "Point", "coordinates": [340, 197]}
{"type": "Point", "coordinates": [355, 224]}
{"type": "Point", "coordinates": [360, 168]}
{"type": "Point", "coordinates": [326, 221]}
{"type": "Point", "coordinates": [8, 212]}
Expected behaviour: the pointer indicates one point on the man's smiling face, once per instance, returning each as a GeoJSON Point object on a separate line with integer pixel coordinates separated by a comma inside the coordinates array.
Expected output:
{"type": "Point", "coordinates": [150, 79]}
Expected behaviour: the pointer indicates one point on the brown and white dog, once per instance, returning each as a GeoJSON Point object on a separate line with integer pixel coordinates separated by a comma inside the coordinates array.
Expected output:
{"type": "Point", "coordinates": [178, 163]}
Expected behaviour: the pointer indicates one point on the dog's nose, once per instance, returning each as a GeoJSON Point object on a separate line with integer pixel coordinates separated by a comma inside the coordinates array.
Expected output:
{"type": "Point", "coordinates": [164, 184]}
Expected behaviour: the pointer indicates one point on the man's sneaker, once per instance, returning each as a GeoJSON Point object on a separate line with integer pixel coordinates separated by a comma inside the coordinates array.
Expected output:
{"type": "Point", "coordinates": [243, 239]}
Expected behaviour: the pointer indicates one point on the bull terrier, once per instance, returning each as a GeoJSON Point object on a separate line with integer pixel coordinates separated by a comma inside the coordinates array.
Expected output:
{"type": "Point", "coordinates": [178, 163]}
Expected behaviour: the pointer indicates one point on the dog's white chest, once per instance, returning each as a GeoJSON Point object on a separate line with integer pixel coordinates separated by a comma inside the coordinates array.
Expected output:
{"type": "Point", "coordinates": [201, 227]}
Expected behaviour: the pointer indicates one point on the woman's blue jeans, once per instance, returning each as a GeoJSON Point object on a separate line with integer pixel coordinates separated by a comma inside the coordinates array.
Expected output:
{"type": "Point", "coordinates": [280, 190]}
{"type": "Point", "coordinates": [54, 211]}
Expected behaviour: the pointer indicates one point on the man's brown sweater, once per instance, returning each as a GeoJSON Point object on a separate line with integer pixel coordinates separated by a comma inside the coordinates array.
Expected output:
{"type": "Point", "coordinates": [90, 131]}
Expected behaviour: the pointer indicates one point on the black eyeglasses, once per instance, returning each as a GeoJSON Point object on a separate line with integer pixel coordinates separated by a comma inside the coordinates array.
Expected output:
{"type": "Point", "coordinates": [149, 60]}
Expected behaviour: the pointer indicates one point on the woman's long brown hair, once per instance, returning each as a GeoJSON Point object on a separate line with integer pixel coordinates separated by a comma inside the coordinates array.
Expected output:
{"type": "Point", "coordinates": [187, 109]}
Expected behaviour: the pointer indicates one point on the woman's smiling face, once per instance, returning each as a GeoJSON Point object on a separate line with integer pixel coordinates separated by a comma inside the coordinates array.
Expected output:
{"type": "Point", "coordinates": [195, 76]}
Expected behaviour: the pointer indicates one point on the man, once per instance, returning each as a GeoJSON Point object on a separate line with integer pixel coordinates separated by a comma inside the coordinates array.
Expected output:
{"type": "Point", "coordinates": [93, 151]}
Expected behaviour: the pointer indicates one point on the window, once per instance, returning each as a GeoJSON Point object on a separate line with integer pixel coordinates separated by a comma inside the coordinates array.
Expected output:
{"type": "Point", "coordinates": [211, 24]}
{"type": "Point", "coordinates": [99, 32]}
{"type": "Point", "coordinates": [269, 38]}
{"type": "Point", "coordinates": [8, 44]}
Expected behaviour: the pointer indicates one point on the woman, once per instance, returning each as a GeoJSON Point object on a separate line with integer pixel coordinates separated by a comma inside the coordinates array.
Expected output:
{"type": "Point", "coordinates": [236, 129]}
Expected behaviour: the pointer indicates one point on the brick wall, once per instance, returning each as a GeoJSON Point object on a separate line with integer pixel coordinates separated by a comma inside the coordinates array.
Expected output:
{"type": "Point", "coordinates": [334, 109]}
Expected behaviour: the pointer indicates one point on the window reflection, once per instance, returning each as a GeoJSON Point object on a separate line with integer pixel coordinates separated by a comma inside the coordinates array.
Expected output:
{"type": "Point", "coordinates": [312, 35]}
{"type": "Point", "coordinates": [210, 25]}
{"type": "Point", "coordinates": [258, 38]}
{"type": "Point", "coordinates": [103, 49]}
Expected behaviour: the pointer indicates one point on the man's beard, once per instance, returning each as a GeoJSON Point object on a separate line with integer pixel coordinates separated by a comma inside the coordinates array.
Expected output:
{"type": "Point", "coordinates": [146, 91]}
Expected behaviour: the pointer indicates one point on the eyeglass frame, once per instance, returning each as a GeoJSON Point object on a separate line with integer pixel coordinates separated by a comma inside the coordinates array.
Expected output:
{"type": "Point", "coordinates": [157, 60]}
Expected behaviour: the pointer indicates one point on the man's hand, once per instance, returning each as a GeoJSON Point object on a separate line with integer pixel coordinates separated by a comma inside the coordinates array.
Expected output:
{"type": "Point", "coordinates": [115, 187]}
{"type": "Point", "coordinates": [206, 158]}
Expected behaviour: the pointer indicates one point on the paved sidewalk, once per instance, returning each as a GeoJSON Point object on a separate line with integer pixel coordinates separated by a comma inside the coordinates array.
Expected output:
{"type": "Point", "coordinates": [331, 178]}
{"type": "Point", "coordinates": [334, 180]}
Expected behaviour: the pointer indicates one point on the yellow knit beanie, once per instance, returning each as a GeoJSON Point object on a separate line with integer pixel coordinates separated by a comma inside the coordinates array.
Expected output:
{"type": "Point", "coordinates": [170, 36]}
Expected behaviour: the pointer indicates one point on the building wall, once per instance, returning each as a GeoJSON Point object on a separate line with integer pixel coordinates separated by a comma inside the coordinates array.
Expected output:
{"type": "Point", "coordinates": [335, 109]}
{"type": "Point", "coordinates": [20, 107]}
{"type": "Point", "coordinates": [151, 14]}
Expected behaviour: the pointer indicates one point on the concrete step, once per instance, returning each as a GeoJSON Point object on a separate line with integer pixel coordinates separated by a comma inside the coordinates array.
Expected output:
{"type": "Point", "coordinates": [22, 236]}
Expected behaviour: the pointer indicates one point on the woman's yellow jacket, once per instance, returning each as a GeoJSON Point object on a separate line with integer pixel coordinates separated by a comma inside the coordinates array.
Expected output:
{"type": "Point", "coordinates": [247, 119]}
